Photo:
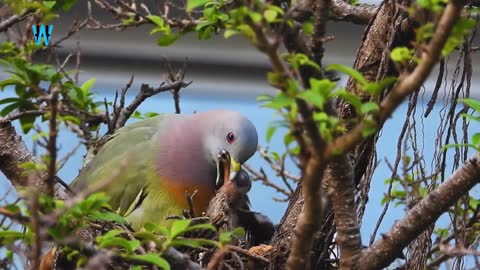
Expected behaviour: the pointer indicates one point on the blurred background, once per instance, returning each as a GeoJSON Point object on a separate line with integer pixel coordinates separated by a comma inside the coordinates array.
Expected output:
{"type": "Point", "coordinates": [226, 74]}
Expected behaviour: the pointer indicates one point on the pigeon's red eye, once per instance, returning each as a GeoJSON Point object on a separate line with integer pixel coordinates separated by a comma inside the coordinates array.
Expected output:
{"type": "Point", "coordinates": [230, 137]}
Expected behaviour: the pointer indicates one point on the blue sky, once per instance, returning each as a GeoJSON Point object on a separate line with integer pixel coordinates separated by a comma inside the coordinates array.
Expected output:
{"type": "Point", "coordinates": [261, 196]}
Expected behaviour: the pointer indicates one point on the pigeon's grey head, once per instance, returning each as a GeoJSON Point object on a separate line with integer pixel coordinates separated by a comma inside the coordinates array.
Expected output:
{"type": "Point", "coordinates": [232, 132]}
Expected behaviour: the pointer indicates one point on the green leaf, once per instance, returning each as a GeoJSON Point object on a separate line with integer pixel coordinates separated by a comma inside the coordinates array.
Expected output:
{"type": "Point", "coordinates": [109, 216]}
{"type": "Point", "coordinates": [313, 98]}
{"type": "Point", "coordinates": [49, 4]}
{"type": "Point", "coordinates": [275, 156]}
{"type": "Point", "coordinates": [370, 127]}
{"type": "Point", "coordinates": [264, 98]}
{"type": "Point", "coordinates": [128, 245]}
{"type": "Point", "coordinates": [352, 98]}
{"type": "Point", "coordinates": [472, 103]}
{"type": "Point", "coordinates": [457, 145]}
{"type": "Point", "coordinates": [238, 15]}
{"type": "Point", "coordinates": [293, 87]}
{"type": "Point", "coordinates": [323, 87]}
{"type": "Point", "coordinates": [14, 80]}
{"type": "Point", "coordinates": [159, 21]}
{"type": "Point", "coordinates": [239, 232]}
{"type": "Point", "coordinates": [425, 32]}
{"type": "Point", "coordinates": [167, 39]}
{"type": "Point", "coordinates": [470, 117]}
{"type": "Point", "coordinates": [109, 234]}
{"type": "Point", "coordinates": [145, 235]}
{"type": "Point", "coordinates": [225, 237]}
{"type": "Point", "coordinates": [280, 101]}
{"type": "Point", "coordinates": [70, 118]}
{"type": "Point", "coordinates": [27, 123]}
{"type": "Point", "coordinates": [349, 71]}
{"type": "Point", "coordinates": [13, 208]}
{"type": "Point", "coordinates": [270, 15]}
{"type": "Point", "coordinates": [288, 139]}
{"type": "Point", "coordinates": [152, 258]}
{"type": "Point", "coordinates": [278, 9]}
{"type": "Point", "coordinates": [151, 114]}
{"type": "Point", "coordinates": [179, 227]}
{"type": "Point", "coordinates": [247, 31]}
{"type": "Point", "coordinates": [374, 88]}
{"type": "Point", "coordinates": [369, 107]}
{"type": "Point", "coordinates": [192, 242]}
{"type": "Point", "coordinates": [270, 131]}
{"type": "Point", "coordinates": [296, 150]}
{"type": "Point", "coordinates": [206, 32]}
{"type": "Point", "coordinates": [8, 100]}
{"type": "Point", "coordinates": [274, 78]}
{"type": "Point", "coordinates": [300, 59]}
{"type": "Point", "coordinates": [204, 226]}
{"type": "Point", "coordinates": [157, 229]}
{"type": "Point", "coordinates": [67, 4]}
{"type": "Point", "coordinates": [8, 109]}
{"type": "Point", "coordinates": [255, 16]}
{"type": "Point", "coordinates": [229, 32]}
{"type": "Point", "coordinates": [8, 237]}
{"type": "Point", "coordinates": [433, 5]}
{"type": "Point", "coordinates": [191, 4]}
{"type": "Point", "coordinates": [401, 54]}
{"type": "Point", "coordinates": [87, 85]}
{"type": "Point", "coordinates": [307, 28]}
{"type": "Point", "coordinates": [476, 138]}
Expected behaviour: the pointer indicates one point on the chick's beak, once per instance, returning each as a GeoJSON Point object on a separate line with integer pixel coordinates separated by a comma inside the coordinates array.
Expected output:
{"type": "Point", "coordinates": [223, 168]}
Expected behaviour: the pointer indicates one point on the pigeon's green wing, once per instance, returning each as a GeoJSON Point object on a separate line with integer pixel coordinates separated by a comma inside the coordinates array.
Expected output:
{"type": "Point", "coordinates": [126, 163]}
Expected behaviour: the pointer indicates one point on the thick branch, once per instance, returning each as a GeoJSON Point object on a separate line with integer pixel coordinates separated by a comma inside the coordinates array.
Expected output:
{"type": "Point", "coordinates": [408, 84]}
{"type": "Point", "coordinates": [309, 220]}
{"type": "Point", "coordinates": [424, 214]}
{"type": "Point", "coordinates": [341, 190]}
{"type": "Point", "coordinates": [7, 23]}
{"type": "Point", "coordinates": [13, 153]}
{"type": "Point", "coordinates": [339, 10]}
{"type": "Point", "coordinates": [310, 217]}
{"type": "Point", "coordinates": [361, 14]}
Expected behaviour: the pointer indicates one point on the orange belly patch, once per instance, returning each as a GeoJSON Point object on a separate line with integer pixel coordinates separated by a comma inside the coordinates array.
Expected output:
{"type": "Point", "coordinates": [200, 201]}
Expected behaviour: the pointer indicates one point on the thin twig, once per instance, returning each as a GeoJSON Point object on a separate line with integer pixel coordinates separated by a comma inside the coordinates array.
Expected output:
{"type": "Point", "coordinates": [248, 254]}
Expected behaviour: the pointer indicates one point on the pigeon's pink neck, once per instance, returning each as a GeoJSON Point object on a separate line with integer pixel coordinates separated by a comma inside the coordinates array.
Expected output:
{"type": "Point", "coordinates": [181, 155]}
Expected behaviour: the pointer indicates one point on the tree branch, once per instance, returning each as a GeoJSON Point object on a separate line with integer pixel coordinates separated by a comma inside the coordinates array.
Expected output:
{"type": "Point", "coordinates": [361, 14]}
{"type": "Point", "coordinates": [310, 217]}
{"type": "Point", "coordinates": [13, 153]}
{"type": "Point", "coordinates": [422, 215]}
{"type": "Point", "coordinates": [340, 186]}
{"type": "Point", "coordinates": [340, 10]}
{"type": "Point", "coordinates": [145, 92]}
{"type": "Point", "coordinates": [7, 23]}
{"type": "Point", "coordinates": [312, 213]}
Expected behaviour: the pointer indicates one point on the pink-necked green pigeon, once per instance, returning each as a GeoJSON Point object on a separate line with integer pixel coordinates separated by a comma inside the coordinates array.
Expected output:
{"type": "Point", "coordinates": [165, 156]}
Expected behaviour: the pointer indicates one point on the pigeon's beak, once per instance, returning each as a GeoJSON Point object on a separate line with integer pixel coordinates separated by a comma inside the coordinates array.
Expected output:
{"type": "Point", "coordinates": [234, 168]}
{"type": "Point", "coordinates": [223, 168]}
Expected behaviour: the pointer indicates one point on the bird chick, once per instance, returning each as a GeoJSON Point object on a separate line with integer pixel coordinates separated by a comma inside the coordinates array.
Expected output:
{"type": "Point", "coordinates": [230, 208]}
